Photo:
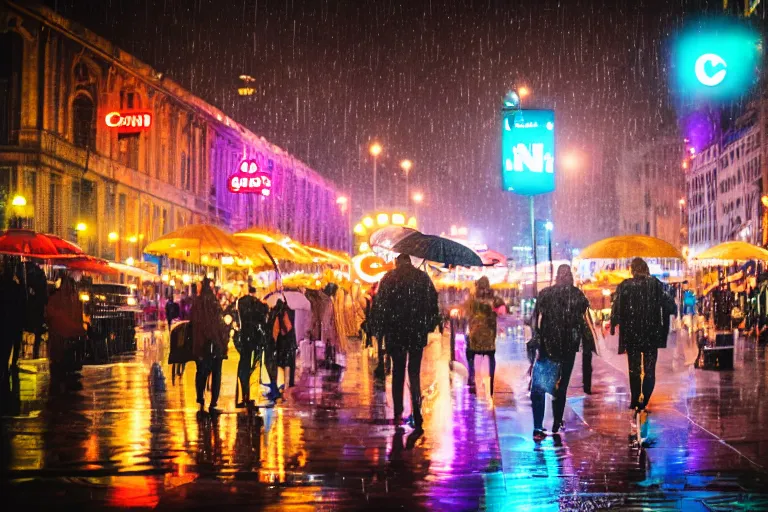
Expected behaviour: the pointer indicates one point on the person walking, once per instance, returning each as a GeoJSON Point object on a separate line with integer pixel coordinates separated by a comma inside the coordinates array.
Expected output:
{"type": "Point", "coordinates": [404, 313]}
{"type": "Point", "coordinates": [253, 320]}
{"type": "Point", "coordinates": [172, 311]}
{"type": "Point", "coordinates": [209, 343]}
{"type": "Point", "coordinates": [481, 315]}
{"type": "Point", "coordinates": [641, 309]}
{"type": "Point", "coordinates": [557, 323]}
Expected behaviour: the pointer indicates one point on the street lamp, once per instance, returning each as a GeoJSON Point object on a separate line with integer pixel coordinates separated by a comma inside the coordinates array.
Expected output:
{"type": "Point", "coordinates": [375, 151]}
{"type": "Point", "coordinates": [406, 165]}
{"type": "Point", "coordinates": [418, 198]}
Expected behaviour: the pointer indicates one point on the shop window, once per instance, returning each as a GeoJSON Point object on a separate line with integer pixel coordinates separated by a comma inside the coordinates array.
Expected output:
{"type": "Point", "coordinates": [11, 48]}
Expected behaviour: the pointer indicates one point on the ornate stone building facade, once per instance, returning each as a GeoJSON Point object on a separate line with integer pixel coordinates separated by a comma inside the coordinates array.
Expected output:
{"type": "Point", "coordinates": [115, 192]}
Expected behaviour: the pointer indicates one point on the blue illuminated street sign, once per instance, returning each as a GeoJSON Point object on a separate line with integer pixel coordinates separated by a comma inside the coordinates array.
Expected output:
{"type": "Point", "coordinates": [715, 61]}
{"type": "Point", "coordinates": [528, 151]}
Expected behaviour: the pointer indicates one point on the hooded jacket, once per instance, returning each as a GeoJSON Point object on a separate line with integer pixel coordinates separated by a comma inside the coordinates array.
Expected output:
{"type": "Point", "coordinates": [642, 309]}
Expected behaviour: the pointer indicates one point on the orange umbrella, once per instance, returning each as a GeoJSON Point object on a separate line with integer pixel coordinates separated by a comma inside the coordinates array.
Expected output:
{"type": "Point", "coordinates": [25, 242]}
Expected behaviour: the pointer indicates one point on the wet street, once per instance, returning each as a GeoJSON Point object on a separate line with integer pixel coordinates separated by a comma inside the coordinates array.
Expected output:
{"type": "Point", "coordinates": [125, 435]}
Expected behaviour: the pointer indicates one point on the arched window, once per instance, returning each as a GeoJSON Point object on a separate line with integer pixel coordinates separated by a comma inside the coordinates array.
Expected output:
{"type": "Point", "coordinates": [84, 122]}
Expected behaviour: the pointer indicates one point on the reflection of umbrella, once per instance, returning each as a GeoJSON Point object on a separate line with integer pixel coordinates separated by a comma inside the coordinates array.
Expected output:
{"type": "Point", "coordinates": [64, 246]}
{"type": "Point", "coordinates": [438, 249]}
{"type": "Point", "coordinates": [630, 246]}
{"type": "Point", "coordinates": [387, 237]}
{"type": "Point", "coordinates": [733, 251]}
{"type": "Point", "coordinates": [24, 242]}
{"type": "Point", "coordinates": [195, 243]}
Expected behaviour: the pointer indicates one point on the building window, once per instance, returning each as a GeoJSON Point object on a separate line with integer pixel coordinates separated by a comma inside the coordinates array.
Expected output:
{"type": "Point", "coordinates": [84, 122]}
{"type": "Point", "coordinates": [129, 149]}
{"type": "Point", "coordinates": [11, 48]}
{"type": "Point", "coordinates": [184, 171]}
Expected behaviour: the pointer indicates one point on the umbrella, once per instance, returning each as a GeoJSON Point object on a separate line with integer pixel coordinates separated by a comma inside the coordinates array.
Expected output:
{"type": "Point", "coordinates": [195, 243]}
{"type": "Point", "coordinates": [630, 246]}
{"type": "Point", "coordinates": [294, 298]}
{"type": "Point", "coordinates": [438, 249]}
{"type": "Point", "coordinates": [733, 251]}
{"type": "Point", "coordinates": [328, 256]}
{"type": "Point", "coordinates": [25, 242]}
{"type": "Point", "coordinates": [65, 247]}
{"type": "Point", "coordinates": [88, 264]}
{"type": "Point", "coordinates": [387, 237]}
{"type": "Point", "coordinates": [254, 241]}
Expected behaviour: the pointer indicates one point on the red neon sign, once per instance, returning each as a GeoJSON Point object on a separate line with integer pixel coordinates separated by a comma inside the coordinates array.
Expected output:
{"type": "Point", "coordinates": [128, 121]}
{"type": "Point", "coordinates": [249, 180]}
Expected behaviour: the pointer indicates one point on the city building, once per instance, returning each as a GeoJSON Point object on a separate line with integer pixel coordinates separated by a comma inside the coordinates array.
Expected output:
{"type": "Point", "coordinates": [650, 185]}
{"type": "Point", "coordinates": [701, 198]}
{"type": "Point", "coordinates": [724, 186]}
{"type": "Point", "coordinates": [101, 149]}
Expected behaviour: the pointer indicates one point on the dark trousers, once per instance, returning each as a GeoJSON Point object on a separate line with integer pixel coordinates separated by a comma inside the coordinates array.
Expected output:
{"type": "Point", "coordinates": [586, 369]}
{"type": "Point", "coordinates": [400, 356]}
{"type": "Point", "coordinates": [471, 365]}
{"type": "Point", "coordinates": [244, 371]}
{"type": "Point", "coordinates": [205, 367]}
{"type": "Point", "coordinates": [538, 398]}
{"type": "Point", "coordinates": [642, 375]}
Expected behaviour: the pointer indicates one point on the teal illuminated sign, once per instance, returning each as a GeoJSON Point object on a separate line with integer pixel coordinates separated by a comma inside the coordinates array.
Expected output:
{"type": "Point", "coordinates": [715, 61]}
{"type": "Point", "coordinates": [528, 151]}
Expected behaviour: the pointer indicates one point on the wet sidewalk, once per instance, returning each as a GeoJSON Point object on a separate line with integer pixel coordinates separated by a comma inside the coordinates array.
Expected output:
{"type": "Point", "coordinates": [127, 435]}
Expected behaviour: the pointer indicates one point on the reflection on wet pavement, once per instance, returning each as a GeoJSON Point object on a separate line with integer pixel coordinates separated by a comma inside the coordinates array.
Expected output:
{"type": "Point", "coordinates": [127, 435]}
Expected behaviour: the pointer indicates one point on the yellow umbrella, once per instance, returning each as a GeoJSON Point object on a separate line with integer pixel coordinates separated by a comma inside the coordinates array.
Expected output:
{"type": "Point", "coordinates": [253, 241]}
{"type": "Point", "coordinates": [733, 251]}
{"type": "Point", "coordinates": [630, 246]}
{"type": "Point", "coordinates": [197, 243]}
{"type": "Point", "coordinates": [328, 256]}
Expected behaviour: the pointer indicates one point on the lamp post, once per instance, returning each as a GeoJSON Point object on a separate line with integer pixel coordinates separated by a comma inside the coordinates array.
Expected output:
{"type": "Point", "coordinates": [549, 226]}
{"type": "Point", "coordinates": [406, 165]}
{"type": "Point", "coordinates": [375, 151]}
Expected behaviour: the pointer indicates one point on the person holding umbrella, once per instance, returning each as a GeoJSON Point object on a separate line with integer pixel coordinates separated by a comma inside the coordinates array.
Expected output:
{"type": "Point", "coordinates": [209, 343]}
{"type": "Point", "coordinates": [404, 313]}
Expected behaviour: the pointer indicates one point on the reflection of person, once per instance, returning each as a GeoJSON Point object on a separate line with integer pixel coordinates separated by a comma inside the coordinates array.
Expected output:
{"type": "Point", "coordinates": [557, 319]}
{"type": "Point", "coordinates": [642, 309]}
{"type": "Point", "coordinates": [405, 312]}
{"type": "Point", "coordinates": [209, 343]}
{"type": "Point", "coordinates": [481, 314]}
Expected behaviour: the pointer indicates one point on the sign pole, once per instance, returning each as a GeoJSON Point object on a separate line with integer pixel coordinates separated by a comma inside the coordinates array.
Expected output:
{"type": "Point", "coordinates": [533, 243]}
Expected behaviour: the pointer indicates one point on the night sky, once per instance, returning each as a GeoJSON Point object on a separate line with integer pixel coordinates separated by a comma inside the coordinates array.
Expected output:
{"type": "Point", "coordinates": [424, 77]}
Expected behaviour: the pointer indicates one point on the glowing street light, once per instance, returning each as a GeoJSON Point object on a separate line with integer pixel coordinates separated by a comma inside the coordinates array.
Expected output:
{"type": "Point", "coordinates": [81, 226]}
{"type": "Point", "coordinates": [19, 201]}
{"type": "Point", "coordinates": [549, 226]}
{"type": "Point", "coordinates": [418, 197]}
{"type": "Point", "coordinates": [375, 149]}
{"type": "Point", "coordinates": [523, 91]}
{"type": "Point", "coordinates": [113, 236]}
{"type": "Point", "coordinates": [406, 165]}
{"type": "Point", "coordinates": [571, 161]}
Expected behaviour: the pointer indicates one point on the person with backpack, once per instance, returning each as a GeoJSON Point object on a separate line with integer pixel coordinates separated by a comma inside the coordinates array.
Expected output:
{"type": "Point", "coordinates": [251, 340]}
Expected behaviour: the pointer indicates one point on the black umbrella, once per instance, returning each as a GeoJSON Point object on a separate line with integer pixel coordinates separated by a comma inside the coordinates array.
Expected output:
{"type": "Point", "coordinates": [438, 249]}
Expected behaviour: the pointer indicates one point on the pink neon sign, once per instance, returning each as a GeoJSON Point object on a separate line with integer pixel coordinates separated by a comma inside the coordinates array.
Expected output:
{"type": "Point", "coordinates": [249, 180]}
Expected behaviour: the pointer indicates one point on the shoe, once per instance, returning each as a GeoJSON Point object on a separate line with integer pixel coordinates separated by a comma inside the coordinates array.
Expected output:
{"type": "Point", "coordinates": [213, 410]}
{"type": "Point", "coordinates": [588, 390]}
{"type": "Point", "coordinates": [539, 434]}
{"type": "Point", "coordinates": [558, 427]}
{"type": "Point", "coordinates": [240, 405]}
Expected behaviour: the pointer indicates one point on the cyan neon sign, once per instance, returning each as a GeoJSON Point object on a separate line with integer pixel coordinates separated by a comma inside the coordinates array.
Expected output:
{"type": "Point", "coordinates": [528, 151]}
{"type": "Point", "coordinates": [715, 61]}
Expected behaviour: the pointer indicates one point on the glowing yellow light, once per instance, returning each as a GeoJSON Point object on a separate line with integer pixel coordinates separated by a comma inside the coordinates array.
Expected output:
{"type": "Point", "coordinates": [418, 197]}
{"type": "Point", "coordinates": [129, 261]}
{"type": "Point", "coordinates": [523, 91]}
{"type": "Point", "coordinates": [412, 222]}
{"type": "Point", "coordinates": [133, 239]}
{"type": "Point", "coordinates": [204, 258]}
{"type": "Point", "coordinates": [375, 149]}
{"type": "Point", "coordinates": [364, 247]}
{"type": "Point", "coordinates": [186, 279]}
{"type": "Point", "coordinates": [368, 222]}
{"type": "Point", "coordinates": [764, 200]}
{"type": "Point", "coordinates": [359, 229]}
{"type": "Point", "coordinates": [227, 260]}
{"type": "Point", "coordinates": [19, 201]}
{"type": "Point", "coordinates": [81, 226]}
{"type": "Point", "coordinates": [382, 219]}
{"type": "Point", "coordinates": [84, 297]}
{"type": "Point", "coordinates": [406, 165]}
{"type": "Point", "coordinates": [165, 278]}
{"type": "Point", "coordinates": [606, 292]}
{"type": "Point", "coordinates": [172, 283]}
{"type": "Point", "coordinates": [342, 200]}
{"type": "Point", "coordinates": [398, 219]}
{"type": "Point", "coordinates": [245, 91]}
{"type": "Point", "coordinates": [112, 237]}
{"type": "Point", "coordinates": [131, 301]}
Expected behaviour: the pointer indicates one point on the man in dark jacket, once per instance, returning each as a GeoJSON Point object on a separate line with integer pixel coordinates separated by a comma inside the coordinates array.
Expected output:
{"type": "Point", "coordinates": [641, 309]}
{"type": "Point", "coordinates": [557, 319]}
{"type": "Point", "coordinates": [253, 337]}
{"type": "Point", "coordinates": [404, 313]}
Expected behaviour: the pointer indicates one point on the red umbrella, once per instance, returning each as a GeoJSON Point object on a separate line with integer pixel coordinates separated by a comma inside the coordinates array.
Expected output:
{"type": "Point", "coordinates": [64, 246]}
{"type": "Point", "coordinates": [88, 264]}
{"type": "Point", "coordinates": [24, 242]}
